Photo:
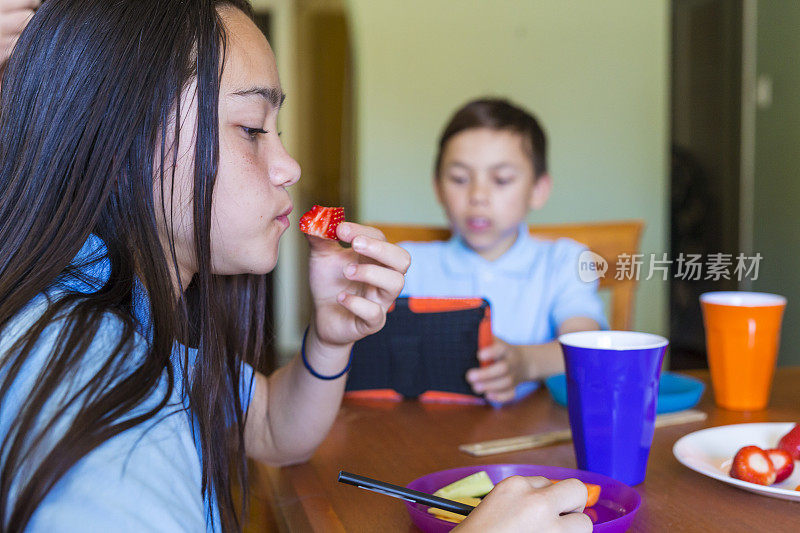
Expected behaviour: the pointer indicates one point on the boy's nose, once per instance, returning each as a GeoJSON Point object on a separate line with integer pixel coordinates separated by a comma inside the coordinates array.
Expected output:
{"type": "Point", "coordinates": [478, 194]}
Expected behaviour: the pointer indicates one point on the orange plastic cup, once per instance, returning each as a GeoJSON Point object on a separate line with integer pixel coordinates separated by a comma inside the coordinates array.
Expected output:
{"type": "Point", "coordinates": [743, 331]}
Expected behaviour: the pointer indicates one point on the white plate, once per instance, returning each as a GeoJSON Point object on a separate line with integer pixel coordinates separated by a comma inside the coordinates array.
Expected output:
{"type": "Point", "coordinates": [710, 452]}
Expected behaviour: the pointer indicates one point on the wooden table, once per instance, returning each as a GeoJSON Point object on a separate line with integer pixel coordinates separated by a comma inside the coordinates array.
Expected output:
{"type": "Point", "coordinates": [400, 442]}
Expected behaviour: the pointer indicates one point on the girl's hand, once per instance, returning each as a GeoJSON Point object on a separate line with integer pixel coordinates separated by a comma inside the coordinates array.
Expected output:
{"type": "Point", "coordinates": [498, 380]}
{"type": "Point", "coordinates": [352, 288]}
{"type": "Point", "coordinates": [14, 16]}
{"type": "Point", "coordinates": [530, 503]}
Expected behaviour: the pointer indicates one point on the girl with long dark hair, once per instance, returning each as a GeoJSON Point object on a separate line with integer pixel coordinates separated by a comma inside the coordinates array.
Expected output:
{"type": "Point", "coordinates": [143, 194]}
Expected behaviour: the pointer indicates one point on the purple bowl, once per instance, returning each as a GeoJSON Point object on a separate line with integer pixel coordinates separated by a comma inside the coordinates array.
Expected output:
{"type": "Point", "coordinates": [615, 509]}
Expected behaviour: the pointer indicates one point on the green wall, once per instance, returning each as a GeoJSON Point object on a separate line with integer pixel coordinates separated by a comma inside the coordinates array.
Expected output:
{"type": "Point", "coordinates": [594, 72]}
{"type": "Point", "coordinates": [776, 231]}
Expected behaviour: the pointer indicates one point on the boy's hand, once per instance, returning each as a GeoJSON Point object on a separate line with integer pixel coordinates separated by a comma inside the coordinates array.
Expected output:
{"type": "Point", "coordinates": [498, 380]}
{"type": "Point", "coordinates": [352, 288]}
{"type": "Point", "coordinates": [14, 16]}
{"type": "Point", "coordinates": [526, 503]}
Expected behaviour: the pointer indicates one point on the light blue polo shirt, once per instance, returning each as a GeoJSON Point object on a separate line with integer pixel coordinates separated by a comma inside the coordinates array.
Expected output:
{"type": "Point", "coordinates": [147, 478]}
{"type": "Point", "coordinates": [532, 288]}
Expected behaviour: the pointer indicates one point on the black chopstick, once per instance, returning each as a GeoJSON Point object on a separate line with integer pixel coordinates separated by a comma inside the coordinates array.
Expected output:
{"type": "Point", "coordinates": [403, 493]}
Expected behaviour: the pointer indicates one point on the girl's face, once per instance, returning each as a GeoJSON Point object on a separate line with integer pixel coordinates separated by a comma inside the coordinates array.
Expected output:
{"type": "Point", "coordinates": [487, 186]}
{"type": "Point", "coordinates": [250, 201]}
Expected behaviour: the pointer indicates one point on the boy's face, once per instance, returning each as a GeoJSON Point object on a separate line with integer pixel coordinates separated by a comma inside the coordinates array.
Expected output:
{"type": "Point", "coordinates": [487, 186]}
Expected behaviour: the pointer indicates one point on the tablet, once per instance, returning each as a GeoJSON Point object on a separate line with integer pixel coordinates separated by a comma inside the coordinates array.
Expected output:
{"type": "Point", "coordinates": [423, 351]}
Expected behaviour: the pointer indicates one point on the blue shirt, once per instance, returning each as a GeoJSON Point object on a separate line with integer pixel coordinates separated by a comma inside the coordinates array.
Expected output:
{"type": "Point", "coordinates": [147, 478]}
{"type": "Point", "coordinates": [532, 288]}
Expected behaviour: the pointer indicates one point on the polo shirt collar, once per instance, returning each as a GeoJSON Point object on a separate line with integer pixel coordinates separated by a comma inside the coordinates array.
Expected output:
{"type": "Point", "coordinates": [460, 259]}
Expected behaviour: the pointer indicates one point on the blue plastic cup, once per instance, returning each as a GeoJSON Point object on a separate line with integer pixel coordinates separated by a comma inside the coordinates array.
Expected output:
{"type": "Point", "coordinates": [612, 389]}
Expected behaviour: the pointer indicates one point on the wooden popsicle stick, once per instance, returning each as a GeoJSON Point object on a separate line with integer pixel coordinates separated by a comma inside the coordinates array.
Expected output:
{"type": "Point", "coordinates": [680, 417]}
{"type": "Point", "coordinates": [538, 440]}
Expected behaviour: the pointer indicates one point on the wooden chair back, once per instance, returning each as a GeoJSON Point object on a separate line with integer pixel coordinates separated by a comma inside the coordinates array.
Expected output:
{"type": "Point", "coordinates": [610, 240]}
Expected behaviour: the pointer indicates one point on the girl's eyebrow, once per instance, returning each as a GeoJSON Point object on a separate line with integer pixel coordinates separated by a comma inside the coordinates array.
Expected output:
{"type": "Point", "coordinates": [272, 95]}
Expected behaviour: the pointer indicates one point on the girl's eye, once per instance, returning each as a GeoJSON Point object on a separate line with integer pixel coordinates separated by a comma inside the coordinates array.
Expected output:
{"type": "Point", "coordinates": [458, 180]}
{"type": "Point", "coordinates": [253, 133]}
{"type": "Point", "coordinates": [503, 181]}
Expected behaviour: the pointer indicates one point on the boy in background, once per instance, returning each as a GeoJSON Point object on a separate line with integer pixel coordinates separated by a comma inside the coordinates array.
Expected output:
{"type": "Point", "coordinates": [491, 171]}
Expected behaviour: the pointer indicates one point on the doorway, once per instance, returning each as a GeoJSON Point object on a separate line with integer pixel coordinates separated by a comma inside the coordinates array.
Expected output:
{"type": "Point", "coordinates": [706, 133]}
{"type": "Point", "coordinates": [325, 118]}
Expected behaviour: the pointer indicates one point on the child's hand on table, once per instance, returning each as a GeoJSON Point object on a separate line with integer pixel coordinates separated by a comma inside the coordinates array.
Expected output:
{"type": "Point", "coordinates": [511, 364]}
{"type": "Point", "coordinates": [525, 503]}
{"type": "Point", "coordinates": [352, 288]}
{"type": "Point", "coordinates": [14, 16]}
{"type": "Point", "coordinates": [505, 370]}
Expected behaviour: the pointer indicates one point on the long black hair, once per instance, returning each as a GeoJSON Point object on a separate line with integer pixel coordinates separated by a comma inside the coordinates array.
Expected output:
{"type": "Point", "coordinates": [87, 96]}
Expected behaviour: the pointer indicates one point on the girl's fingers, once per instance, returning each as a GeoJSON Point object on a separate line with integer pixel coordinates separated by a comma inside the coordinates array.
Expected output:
{"type": "Point", "coordinates": [387, 281]}
{"type": "Point", "coordinates": [568, 495]}
{"type": "Point", "coordinates": [538, 482]}
{"type": "Point", "coordinates": [383, 252]}
{"type": "Point", "coordinates": [575, 523]}
{"type": "Point", "coordinates": [347, 231]}
{"type": "Point", "coordinates": [370, 242]}
{"type": "Point", "coordinates": [370, 313]}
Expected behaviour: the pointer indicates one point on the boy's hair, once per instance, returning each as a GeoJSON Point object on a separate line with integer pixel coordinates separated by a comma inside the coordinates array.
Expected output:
{"type": "Point", "coordinates": [498, 114]}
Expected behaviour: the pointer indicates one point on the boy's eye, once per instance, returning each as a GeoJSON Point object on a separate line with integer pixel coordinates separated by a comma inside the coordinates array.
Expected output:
{"type": "Point", "coordinates": [503, 180]}
{"type": "Point", "coordinates": [459, 180]}
{"type": "Point", "coordinates": [253, 133]}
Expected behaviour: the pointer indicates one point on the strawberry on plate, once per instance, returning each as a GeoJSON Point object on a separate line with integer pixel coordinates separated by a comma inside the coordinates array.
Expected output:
{"type": "Point", "coordinates": [322, 221]}
{"type": "Point", "coordinates": [752, 464]}
{"type": "Point", "coordinates": [791, 442]}
{"type": "Point", "coordinates": [783, 463]}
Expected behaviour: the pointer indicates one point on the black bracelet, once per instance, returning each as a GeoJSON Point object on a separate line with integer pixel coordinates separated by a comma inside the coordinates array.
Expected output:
{"type": "Point", "coordinates": [314, 372]}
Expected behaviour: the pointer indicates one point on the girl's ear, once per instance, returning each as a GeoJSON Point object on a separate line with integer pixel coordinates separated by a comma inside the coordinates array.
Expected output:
{"type": "Point", "coordinates": [540, 192]}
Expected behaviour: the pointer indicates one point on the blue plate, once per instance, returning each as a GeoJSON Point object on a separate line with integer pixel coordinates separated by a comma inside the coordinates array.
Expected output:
{"type": "Point", "coordinates": [676, 392]}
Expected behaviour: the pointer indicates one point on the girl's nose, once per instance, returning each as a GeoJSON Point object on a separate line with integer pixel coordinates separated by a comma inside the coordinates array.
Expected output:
{"type": "Point", "coordinates": [284, 171]}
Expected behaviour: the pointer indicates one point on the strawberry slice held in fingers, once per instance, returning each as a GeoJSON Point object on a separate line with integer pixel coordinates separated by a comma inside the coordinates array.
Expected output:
{"type": "Point", "coordinates": [782, 462]}
{"type": "Point", "coordinates": [752, 464]}
{"type": "Point", "coordinates": [322, 221]}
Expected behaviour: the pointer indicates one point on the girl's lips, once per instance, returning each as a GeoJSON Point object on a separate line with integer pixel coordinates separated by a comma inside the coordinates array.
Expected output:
{"type": "Point", "coordinates": [283, 218]}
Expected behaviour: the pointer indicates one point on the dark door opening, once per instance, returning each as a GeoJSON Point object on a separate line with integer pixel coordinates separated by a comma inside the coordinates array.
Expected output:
{"type": "Point", "coordinates": [706, 93]}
